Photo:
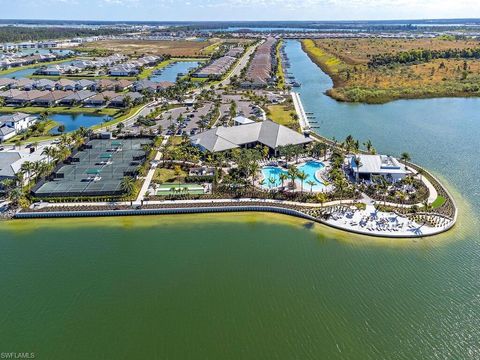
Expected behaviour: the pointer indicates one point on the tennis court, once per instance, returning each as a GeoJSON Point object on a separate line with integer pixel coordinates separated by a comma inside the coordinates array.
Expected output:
{"type": "Point", "coordinates": [97, 170]}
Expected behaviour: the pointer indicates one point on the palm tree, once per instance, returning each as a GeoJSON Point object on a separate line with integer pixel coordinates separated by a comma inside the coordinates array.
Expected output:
{"type": "Point", "coordinates": [64, 139]}
{"type": "Point", "coordinates": [50, 152]}
{"type": "Point", "coordinates": [282, 178]}
{"type": "Point", "coordinates": [302, 176]}
{"type": "Point", "coordinates": [368, 144]}
{"type": "Point", "coordinates": [341, 184]}
{"type": "Point", "coordinates": [8, 184]}
{"type": "Point", "coordinates": [26, 168]}
{"type": "Point", "coordinates": [292, 174]}
{"type": "Point", "coordinates": [128, 185]}
{"type": "Point", "coordinates": [405, 157]}
{"type": "Point", "coordinates": [311, 183]}
{"type": "Point", "coordinates": [14, 196]}
{"type": "Point", "coordinates": [272, 181]}
{"type": "Point", "coordinates": [253, 169]}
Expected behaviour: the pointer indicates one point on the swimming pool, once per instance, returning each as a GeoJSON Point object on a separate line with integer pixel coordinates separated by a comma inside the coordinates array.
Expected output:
{"type": "Point", "coordinates": [310, 168]}
{"type": "Point", "coordinates": [271, 176]}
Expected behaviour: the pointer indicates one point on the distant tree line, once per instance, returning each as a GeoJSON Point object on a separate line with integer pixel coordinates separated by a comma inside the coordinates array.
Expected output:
{"type": "Point", "coordinates": [19, 34]}
{"type": "Point", "coordinates": [422, 55]}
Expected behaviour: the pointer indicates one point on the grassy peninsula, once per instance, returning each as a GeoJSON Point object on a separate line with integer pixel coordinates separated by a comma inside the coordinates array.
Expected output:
{"type": "Point", "coordinates": [377, 71]}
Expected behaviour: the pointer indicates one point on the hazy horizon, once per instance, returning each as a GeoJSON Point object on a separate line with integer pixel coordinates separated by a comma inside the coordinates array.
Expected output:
{"type": "Point", "coordinates": [239, 10]}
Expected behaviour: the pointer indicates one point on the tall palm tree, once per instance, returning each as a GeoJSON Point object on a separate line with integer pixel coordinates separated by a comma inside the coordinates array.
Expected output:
{"type": "Point", "coordinates": [282, 178]}
{"type": "Point", "coordinates": [272, 181]}
{"type": "Point", "coordinates": [26, 169]}
{"type": "Point", "coordinates": [341, 184]}
{"type": "Point", "coordinates": [405, 157]}
{"type": "Point", "coordinates": [128, 185]}
{"type": "Point", "coordinates": [292, 174]}
{"type": "Point", "coordinates": [49, 152]}
{"type": "Point", "coordinates": [253, 169]}
{"type": "Point", "coordinates": [8, 184]}
{"type": "Point", "coordinates": [302, 176]}
{"type": "Point", "coordinates": [14, 196]}
{"type": "Point", "coordinates": [311, 183]}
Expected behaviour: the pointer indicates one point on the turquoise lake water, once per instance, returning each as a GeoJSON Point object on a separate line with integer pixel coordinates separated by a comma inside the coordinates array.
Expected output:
{"type": "Point", "coordinates": [74, 121]}
{"type": "Point", "coordinates": [170, 73]}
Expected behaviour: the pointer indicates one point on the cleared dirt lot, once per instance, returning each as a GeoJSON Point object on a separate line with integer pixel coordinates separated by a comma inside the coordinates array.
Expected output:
{"type": "Point", "coordinates": [137, 47]}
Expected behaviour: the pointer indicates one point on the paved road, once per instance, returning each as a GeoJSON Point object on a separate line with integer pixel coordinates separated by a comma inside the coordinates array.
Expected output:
{"type": "Point", "coordinates": [240, 65]}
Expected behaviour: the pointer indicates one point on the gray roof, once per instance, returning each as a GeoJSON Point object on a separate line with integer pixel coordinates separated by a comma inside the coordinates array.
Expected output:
{"type": "Point", "coordinates": [266, 132]}
{"type": "Point", "coordinates": [85, 82]}
{"type": "Point", "coordinates": [80, 95]}
{"type": "Point", "coordinates": [7, 159]}
{"type": "Point", "coordinates": [14, 117]}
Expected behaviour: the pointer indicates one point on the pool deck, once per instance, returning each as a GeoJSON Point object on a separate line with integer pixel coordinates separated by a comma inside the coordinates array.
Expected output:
{"type": "Point", "coordinates": [317, 177]}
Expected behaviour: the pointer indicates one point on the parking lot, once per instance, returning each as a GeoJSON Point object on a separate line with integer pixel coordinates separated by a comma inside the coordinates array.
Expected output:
{"type": "Point", "coordinates": [185, 119]}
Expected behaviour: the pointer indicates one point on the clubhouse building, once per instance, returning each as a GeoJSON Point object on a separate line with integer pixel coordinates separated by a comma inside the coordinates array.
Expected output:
{"type": "Point", "coordinates": [265, 133]}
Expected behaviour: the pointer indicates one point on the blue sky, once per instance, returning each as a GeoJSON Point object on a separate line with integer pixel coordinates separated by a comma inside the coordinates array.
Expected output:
{"type": "Point", "coordinates": [237, 9]}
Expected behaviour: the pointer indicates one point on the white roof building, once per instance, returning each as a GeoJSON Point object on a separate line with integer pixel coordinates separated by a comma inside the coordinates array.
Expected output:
{"type": "Point", "coordinates": [366, 166]}
{"type": "Point", "coordinates": [242, 120]}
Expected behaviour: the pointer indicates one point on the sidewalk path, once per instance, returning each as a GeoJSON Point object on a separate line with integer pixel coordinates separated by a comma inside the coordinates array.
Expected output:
{"type": "Point", "coordinates": [151, 172]}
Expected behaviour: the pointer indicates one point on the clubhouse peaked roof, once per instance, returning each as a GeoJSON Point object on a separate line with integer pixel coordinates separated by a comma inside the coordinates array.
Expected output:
{"type": "Point", "coordinates": [266, 132]}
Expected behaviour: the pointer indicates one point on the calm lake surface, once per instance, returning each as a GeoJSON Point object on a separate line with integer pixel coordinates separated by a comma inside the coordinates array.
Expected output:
{"type": "Point", "coordinates": [259, 286]}
{"type": "Point", "coordinates": [170, 73]}
{"type": "Point", "coordinates": [27, 72]}
{"type": "Point", "coordinates": [74, 121]}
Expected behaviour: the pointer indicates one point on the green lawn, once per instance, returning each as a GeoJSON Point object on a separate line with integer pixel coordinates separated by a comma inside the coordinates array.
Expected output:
{"type": "Point", "coordinates": [281, 114]}
{"type": "Point", "coordinates": [439, 201]}
{"type": "Point", "coordinates": [163, 175]}
{"type": "Point", "coordinates": [211, 48]}
{"type": "Point", "coordinates": [279, 74]}
{"type": "Point", "coordinates": [49, 125]}
{"type": "Point", "coordinates": [118, 117]}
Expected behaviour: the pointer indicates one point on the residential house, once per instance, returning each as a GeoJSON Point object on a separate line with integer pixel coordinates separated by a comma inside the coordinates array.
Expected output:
{"type": "Point", "coordinates": [120, 100]}
{"type": "Point", "coordinates": [45, 84]}
{"type": "Point", "coordinates": [51, 98]}
{"type": "Point", "coordinates": [104, 85]}
{"type": "Point", "coordinates": [65, 84]}
{"type": "Point", "coordinates": [77, 97]}
{"type": "Point", "coordinates": [24, 84]}
{"type": "Point", "coordinates": [25, 97]}
{"type": "Point", "coordinates": [8, 94]}
{"type": "Point", "coordinates": [123, 84]}
{"type": "Point", "coordinates": [101, 99]}
{"type": "Point", "coordinates": [13, 124]}
{"type": "Point", "coordinates": [5, 83]}
{"type": "Point", "coordinates": [84, 84]}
